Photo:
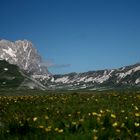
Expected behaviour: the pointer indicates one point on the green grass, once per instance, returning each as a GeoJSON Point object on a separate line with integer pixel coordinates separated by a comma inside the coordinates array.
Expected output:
{"type": "Point", "coordinates": [69, 115]}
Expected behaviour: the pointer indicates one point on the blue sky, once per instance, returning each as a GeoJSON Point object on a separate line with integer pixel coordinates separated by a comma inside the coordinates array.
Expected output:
{"type": "Point", "coordinates": [76, 35]}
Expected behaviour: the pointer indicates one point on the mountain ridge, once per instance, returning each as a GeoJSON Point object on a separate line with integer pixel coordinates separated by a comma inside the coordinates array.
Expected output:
{"type": "Point", "coordinates": [25, 56]}
{"type": "Point", "coordinates": [123, 76]}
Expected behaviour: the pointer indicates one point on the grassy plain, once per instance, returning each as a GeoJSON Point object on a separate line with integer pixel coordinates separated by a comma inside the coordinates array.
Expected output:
{"type": "Point", "coordinates": [65, 115]}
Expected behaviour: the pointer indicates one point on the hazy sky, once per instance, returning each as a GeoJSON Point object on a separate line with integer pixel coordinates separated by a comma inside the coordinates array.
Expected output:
{"type": "Point", "coordinates": [76, 35]}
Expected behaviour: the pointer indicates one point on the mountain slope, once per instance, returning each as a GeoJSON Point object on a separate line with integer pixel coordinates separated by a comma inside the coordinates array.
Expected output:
{"type": "Point", "coordinates": [11, 77]}
{"type": "Point", "coordinates": [24, 55]}
{"type": "Point", "coordinates": [125, 76]}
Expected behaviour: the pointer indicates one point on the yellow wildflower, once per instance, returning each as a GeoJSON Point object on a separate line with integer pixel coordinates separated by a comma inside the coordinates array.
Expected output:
{"type": "Point", "coordinates": [56, 129]}
{"type": "Point", "coordinates": [113, 116]}
{"type": "Point", "coordinates": [47, 129]}
{"type": "Point", "coordinates": [89, 114]}
{"type": "Point", "coordinates": [46, 117]}
{"type": "Point", "coordinates": [101, 111]}
{"type": "Point", "coordinates": [95, 130]}
{"type": "Point", "coordinates": [99, 115]}
{"type": "Point", "coordinates": [137, 124]}
{"type": "Point", "coordinates": [60, 131]}
{"type": "Point", "coordinates": [40, 126]}
{"type": "Point", "coordinates": [74, 123]}
{"type": "Point", "coordinates": [122, 125]}
{"type": "Point", "coordinates": [137, 134]}
{"type": "Point", "coordinates": [118, 130]}
{"type": "Point", "coordinates": [96, 100]}
{"type": "Point", "coordinates": [107, 110]}
{"type": "Point", "coordinates": [35, 119]}
{"type": "Point", "coordinates": [136, 108]}
{"type": "Point", "coordinates": [78, 112]}
{"type": "Point", "coordinates": [81, 120]}
{"type": "Point", "coordinates": [95, 138]}
{"type": "Point", "coordinates": [137, 114]}
{"type": "Point", "coordinates": [94, 113]}
{"type": "Point", "coordinates": [126, 118]}
{"type": "Point", "coordinates": [98, 119]}
{"type": "Point", "coordinates": [115, 124]}
{"type": "Point", "coordinates": [69, 115]}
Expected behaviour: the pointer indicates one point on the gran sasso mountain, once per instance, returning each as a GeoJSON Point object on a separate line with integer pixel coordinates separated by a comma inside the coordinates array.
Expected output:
{"type": "Point", "coordinates": [25, 56]}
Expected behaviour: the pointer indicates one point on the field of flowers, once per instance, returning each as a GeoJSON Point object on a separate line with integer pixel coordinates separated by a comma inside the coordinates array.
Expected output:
{"type": "Point", "coordinates": [74, 116]}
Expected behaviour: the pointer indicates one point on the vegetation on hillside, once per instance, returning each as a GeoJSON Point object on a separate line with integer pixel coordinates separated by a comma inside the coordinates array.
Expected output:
{"type": "Point", "coordinates": [10, 76]}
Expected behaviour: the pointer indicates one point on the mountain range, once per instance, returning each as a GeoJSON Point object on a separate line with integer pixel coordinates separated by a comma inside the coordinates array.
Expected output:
{"type": "Point", "coordinates": [21, 67]}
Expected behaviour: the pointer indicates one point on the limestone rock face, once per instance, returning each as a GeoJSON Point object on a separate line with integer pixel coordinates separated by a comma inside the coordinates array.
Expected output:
{"type": "Point", "coordinates": [24, 55]}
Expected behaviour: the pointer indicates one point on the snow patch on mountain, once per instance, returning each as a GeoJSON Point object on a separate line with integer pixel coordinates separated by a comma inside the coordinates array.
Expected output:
{"type": "Point", "coordinates": [82, 79]}
{"type": "Point", "coordinates": [10, 52]}
{"type": "Point", "coordinates": [137, 81]}
{"type": "Point", "coordinates": [41, 77]}
{"type": "Point", "coordinates": [62, 80]}
{"type": "Point", "coordinates": [89, 79]}
{"type": "Point", "coordinates": [129, 72]}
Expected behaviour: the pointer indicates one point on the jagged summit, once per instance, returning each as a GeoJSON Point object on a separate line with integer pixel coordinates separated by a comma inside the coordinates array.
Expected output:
{"type": "Point", "coordinates": [23, 54]}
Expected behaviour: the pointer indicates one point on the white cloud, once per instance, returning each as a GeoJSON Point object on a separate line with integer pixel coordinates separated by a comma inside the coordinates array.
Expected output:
{"type": "Point", "coordinates": [51, 64]}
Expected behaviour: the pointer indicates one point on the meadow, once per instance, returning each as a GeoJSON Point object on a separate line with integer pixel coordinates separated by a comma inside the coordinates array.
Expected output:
{"type": "Point", "coordinates": [75, 115]}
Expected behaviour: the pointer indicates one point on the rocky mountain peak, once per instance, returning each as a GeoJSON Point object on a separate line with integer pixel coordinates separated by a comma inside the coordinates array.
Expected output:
{"type": "Point", "coordinates": [23, 54]}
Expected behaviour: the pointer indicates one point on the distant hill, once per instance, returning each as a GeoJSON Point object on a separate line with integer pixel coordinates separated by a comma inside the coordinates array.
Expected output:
{"type": "Point", "coordinates": [127, 76]}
